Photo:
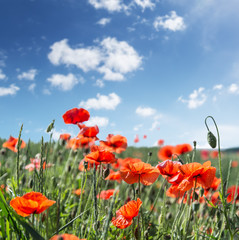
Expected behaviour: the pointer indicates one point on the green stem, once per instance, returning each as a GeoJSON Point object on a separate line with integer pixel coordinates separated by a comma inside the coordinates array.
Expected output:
{"type": "Point", "coordinates": [220, 170]}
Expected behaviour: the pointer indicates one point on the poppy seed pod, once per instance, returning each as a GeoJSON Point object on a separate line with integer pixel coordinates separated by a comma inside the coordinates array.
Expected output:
{"type": "Point", "coordinates": [212, 141]}
{"type": "Point", "coordinates": [106, 172]}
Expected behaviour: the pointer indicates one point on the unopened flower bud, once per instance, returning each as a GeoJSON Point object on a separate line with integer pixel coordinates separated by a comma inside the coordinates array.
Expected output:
{"type": "Point", "coordinates": [212, 141]}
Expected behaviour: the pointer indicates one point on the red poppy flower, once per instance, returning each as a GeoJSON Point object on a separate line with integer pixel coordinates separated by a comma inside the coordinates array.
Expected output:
{"type": "Point", "coordinates": [11, 144]}
{"type": "Point", "coordinates": [100, 155]}
{"type": "Point", "coordinates": [232, 191]}
{"type": "Point", "coordinates": [139, 171]}
{"type": "Point", "coordinates": [166, 152]}
{"type": "Point", "coordinates": [65, 136]}
{"type": "Point", "coordinates": [124, 216]}
{"type": "Point", "coordinates": [31, 203]}
{"type": "Point", "coordinates": [136, 139]}
{"type": "Point", "coordinates": [115, 143]}
{"type": "Point", "coordinates": [76, 115]}
{"type": "Point", "coordinates": [204, 154]}
{"type": "Point", "coordinates": [89, 131]}
{"type": "Point", "coordinates": [174, 192]}
{"type": "Point", "coordinates": [182, 148]}
{"type": "Point", "coordinates": [66, 236]}
{"type": "Point", "coordinates": [80, 142]}
{"type": "Point", "coordinates": [145, 136]}
{"type": "Point", "coordinates": [89, 164]}
{"type": "Point", "coordinates": [106, 194]}
{"type": "Point", "coordinates": [214, 154]}
{"type": "Point", "coordinates": [202, 174]}
{"type": "Point", "coordinates": [36, 164]}
{"type": "Point", "coordinates": [160, 142]}
{"type": "Point", "coordinates": [214, 186]}
{"type": "Point", "coordinates": [168, 168]}
{"type": "Point", "coordinates": [78, 192]}
{"type": "Point", "coordinates": [234, 164]}
{"type": "Point", "coordinates": [114, 176]}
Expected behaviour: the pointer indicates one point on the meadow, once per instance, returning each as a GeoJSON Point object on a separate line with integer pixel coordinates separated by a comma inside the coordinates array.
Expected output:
{"type": "Point", "coordinates": [88, 188]}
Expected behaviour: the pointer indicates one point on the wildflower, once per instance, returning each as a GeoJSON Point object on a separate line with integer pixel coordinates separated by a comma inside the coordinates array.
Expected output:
{"type": "Point", "coordinates": [234, 164]}
{"type": "Point", "coordinates": [106, 194]}
{"type": "Point", "coordinates": [231, 191]}
{"type": "Point", "coordinates": [65, 236]}
{"type": "Point", "coordinates": [124, 216]}
{"type": "Point", "coordinates": [204, 154]}
{"type": "Point", "coordinates": [203, 175]}
{"type": "Point", "coordinates": [36, 164]}
{"type": "Point", "coordinates": [214, 154]}
{"type": "Point", "coordinates": [166, 152]}
{"type": "Point", "coordinates": [182, 148]}
{"type": "Point", "coordinates": [87, 165]}
{"type": "Point", "coordinates": [78, 192]}
{"type": "Point", "coordinates": [214, 186]}
{"type": "Point", "coordinates": [100, 155]}
{"type": "Point", "coordinates": [11, 144]}
{"type": "Point", "coordinates": [80, 142]}
{"type": "Point", "coordinates": [115, 143]}
{"type": "Point", "coordinates": [139, 171]}
{"type": "Point", "coordinates": [65, 136]}
{"type": "Point", "coordinates": [160, 142]}
{"type": "Point", "coordinates": [136, 139]}
{"type": "Point", "coordinates": [114, 176]}
{"type": "Point", "coordinates": [31, 203]}
{"type": "Point", "coordinates": [145, 136]}
{"type": "Point", "coordinates": [76, 115]}
{"type": "Point", "coordinates": [88, 131]}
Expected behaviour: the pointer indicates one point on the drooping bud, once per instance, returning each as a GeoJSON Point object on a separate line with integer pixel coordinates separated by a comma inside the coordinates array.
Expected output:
{"type": "Point", "coordinates": [106, 172]}
{"type": "Point", "coordinates": [212, 141]}
{"type": "Point", "coordinates": [50, 127]}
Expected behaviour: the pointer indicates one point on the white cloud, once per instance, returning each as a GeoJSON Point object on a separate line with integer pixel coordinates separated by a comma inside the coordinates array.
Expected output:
{"type": "Point", "coordinates": [104, 21]}
{"type": "Point", "coordinates": [64, 83]}
{"type": "Point", "coordinates": [99, 83]}
{"type": "Point", "coordinates": [102, 102]}
{"type": "Point", "coordinates": [84, 58]}
{"type": "Point", "coordinates": [233, 88]}
{"type": "Point", "coordinates": [145, 4]}
{"type": "Point", "coordinates": [29, 75]}
{"type": "Point", "coordinates": [2, 75]}
{"type": "Point", "coordinates": [137, 127]}
{"type": "Point", "coordinates": [145, 111]}
{"type": "Point", "coordinates": [3, 57]}
{"type": "Point", "coordinates": [111, 57]}
{"type": "Point", "coordinates": [31, 88]}
{"type": "Point", "coordinates": [171, 22]}
{"type": "Point", "coordinates": [195, 99]}
{"type": "Point", "coordinates": [46, 91]}
{"type": "Point", "coordinates": [217, 87]}
{"type": "Point", "coordinates": [110, 5]}
{"type": "Point", "coordinates": [12, 90]}
{"type": "Point", "coordinates": [156, 122]}
{"type": "Point", "coordinates": [99, 121]}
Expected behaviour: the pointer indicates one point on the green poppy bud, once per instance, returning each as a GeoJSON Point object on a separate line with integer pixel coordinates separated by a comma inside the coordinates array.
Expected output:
{"type": "Point", "coordinates": [212, 141]}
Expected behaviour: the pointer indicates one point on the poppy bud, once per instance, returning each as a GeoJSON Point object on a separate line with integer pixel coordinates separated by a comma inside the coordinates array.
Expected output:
{"type": "Point", "coordinates": [150, 154]}
{"type": "Point", "coordinates": [168, 215]}
{"type": "Point", "coordinates": [195, 196]}
{"type": "Point", "coordinates": [69, 168]}
{"type": "Point", "coordinates": [201, 192]}
{"type": "Point", "coordinates": [195, 206]}
{"type": "Point", "coordinates": [106, 172]}
{"type": "Point", "coordinates": [137, 233]}
{"type": "Point", "coordinates": [60, 238]}
{"type": "Point", "coordinates": [43, 217]}
{"type": "Point", "coordinates": [30, 183]}
{"type": "Point", "coordinates": [212, 141]}
{"type": "Point", "coordinates": [85, 165]}
{"type": "Point", "coordinates": [3, 151]}
{"type": "Point", "coordinates": [23, 179]}
{"type": "Point", "coordinates": [50, 127]}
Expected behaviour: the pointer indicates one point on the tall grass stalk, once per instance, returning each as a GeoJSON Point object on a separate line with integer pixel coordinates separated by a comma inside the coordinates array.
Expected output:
{"type": "Point", "coordinates": [19, 142]}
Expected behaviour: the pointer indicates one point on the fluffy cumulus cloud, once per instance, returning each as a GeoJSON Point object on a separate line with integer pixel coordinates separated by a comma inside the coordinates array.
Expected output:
{"type": "Point", "coordinates": [217, 87]}
{"type": "Point", "coordinates": [195, 99]}
{"type": "Point", "coordinates": [11, 90]}
{"type": "Point", "coordinates": [110, 5]}
{"type": "Point", "coordinates": [109, 102]}
{"type": "Point", "coordinates": [99, 121]}
{"type": "Point", "coordinates": [29, 75]}
{"type": "Point", "coordinates": [104, 21]}
{"type": "Point", "coordinates": [145, 111]}
{"type": "Point", "coordinates": [63, 82]}
{"type": "Point", "coordinates": [2, 75]}
{"type": "Point", "coordinates": [172, 22]}
{"type": "Point", "coordinates": [233, 88]}
{"type": "Point", "coordinates": [110, 57]}
{"type": "Point", "coordinates": [145, 4]}
{"type": "Point", "coordinates": [32, 87]}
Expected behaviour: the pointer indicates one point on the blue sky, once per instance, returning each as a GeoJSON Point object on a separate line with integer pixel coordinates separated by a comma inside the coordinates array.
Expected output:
{"type": "Point", "coordinates": [138, 66]}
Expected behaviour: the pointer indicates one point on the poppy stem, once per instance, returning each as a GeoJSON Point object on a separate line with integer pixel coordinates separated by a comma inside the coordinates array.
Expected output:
{"type": "Point", "coordinates": [222, 196]}
{"type": "Point", "coordinates": [95, 201]}
{"type": "Point", "coordinates": [18, 157]}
